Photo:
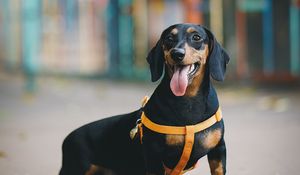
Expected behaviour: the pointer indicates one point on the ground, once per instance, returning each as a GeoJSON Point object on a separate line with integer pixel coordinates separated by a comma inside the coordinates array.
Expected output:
{"type": "Point", "coordinates": [262, 125]}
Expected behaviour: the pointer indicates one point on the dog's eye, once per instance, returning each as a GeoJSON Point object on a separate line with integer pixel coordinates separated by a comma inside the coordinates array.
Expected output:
{"type": "Point", "coordinates": [196, 37]}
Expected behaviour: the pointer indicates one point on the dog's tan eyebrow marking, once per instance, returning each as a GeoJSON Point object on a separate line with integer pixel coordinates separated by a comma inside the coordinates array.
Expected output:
{"type": "Point", "coordinates": [191, 30]}
{"type": "Point", "coordinates": [174, 31]}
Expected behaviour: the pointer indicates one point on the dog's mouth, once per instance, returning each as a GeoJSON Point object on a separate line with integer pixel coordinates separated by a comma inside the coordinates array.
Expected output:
{"type": "Point", "coordinates": [182, 76]}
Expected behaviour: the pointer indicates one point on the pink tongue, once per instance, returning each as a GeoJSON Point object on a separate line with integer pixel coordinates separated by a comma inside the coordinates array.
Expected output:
{"type": "Point", "coordinates": [179, 81]}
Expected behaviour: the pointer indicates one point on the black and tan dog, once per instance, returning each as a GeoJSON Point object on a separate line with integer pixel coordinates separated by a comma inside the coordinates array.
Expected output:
{"type": "Point", "coordinates": [189, 55]}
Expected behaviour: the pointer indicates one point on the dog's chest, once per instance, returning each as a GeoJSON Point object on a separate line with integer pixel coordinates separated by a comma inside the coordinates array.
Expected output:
{"type": "Point", "coordinates": [207, 139]}
{"type": "Point", "coordinates": [203, 142]}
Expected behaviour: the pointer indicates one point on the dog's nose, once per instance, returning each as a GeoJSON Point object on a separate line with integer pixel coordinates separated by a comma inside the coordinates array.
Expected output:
{"type": "Point", "coordinates": [178, 54]}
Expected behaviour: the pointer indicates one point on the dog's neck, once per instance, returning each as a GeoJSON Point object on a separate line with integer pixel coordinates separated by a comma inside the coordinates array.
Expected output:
{"type": "Point", "coordinates": [167, 109]}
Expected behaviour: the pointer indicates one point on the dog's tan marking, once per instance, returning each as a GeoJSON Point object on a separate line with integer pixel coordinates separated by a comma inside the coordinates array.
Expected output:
{"type": "Point", "coordinates": [168, 57]}
{"type": "Point", "coordinates": [211, 139]}
{"type": "Point", "coordinates": [192, 56]}
{"type": "Point", "coordinates": [98, 169]}
{"type": "Point", "coordinates": [191, 30]}
{"type": "Point", "coordinates": [216, 167]}
{"type": "Point", "coordinates": [93, 169]}
{"type": "Point", "coordinates": [174, 140]}
{"type": "Point", "coordinates": [169, 61]}
{"type": "Point", "coordinates": [193, 88]}
{"type": "Point", "coordinates": [174, 31]}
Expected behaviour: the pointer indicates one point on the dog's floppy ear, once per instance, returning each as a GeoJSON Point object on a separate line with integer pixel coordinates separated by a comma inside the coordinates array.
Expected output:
{"type": "Point", "coordinates": [156, 60]}
{"type": "Point", "coordinates": [218, 58]}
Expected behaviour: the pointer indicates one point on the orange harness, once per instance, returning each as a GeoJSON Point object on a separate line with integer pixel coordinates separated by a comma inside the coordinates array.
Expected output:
{"type": "Point", "coordinates": [189, 132]}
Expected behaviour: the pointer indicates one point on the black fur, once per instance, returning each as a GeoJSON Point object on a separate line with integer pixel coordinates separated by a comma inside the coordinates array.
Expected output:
{"type": "Point", "coordinates": [156, 61]}
{"type": "Point", "coordinates": [218, 58]}
{"type": "Point", "coordinates": [106, 143]}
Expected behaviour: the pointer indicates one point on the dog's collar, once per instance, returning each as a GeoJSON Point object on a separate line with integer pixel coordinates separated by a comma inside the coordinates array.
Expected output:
{"type": "Point", "coordinates": [189, 132]}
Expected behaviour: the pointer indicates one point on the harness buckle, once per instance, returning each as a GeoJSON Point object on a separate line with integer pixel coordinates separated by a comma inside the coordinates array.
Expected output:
{"type": "Point", "coordinates": [133, 132]}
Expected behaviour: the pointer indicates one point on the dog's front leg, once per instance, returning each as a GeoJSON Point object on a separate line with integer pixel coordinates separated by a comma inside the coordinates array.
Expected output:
{"type": "Point", "coordinates": [153, 161]}
{"type": "Point", "coordinates": [153, 164]}
{"type": "Point", "coordinates": [217, 159]}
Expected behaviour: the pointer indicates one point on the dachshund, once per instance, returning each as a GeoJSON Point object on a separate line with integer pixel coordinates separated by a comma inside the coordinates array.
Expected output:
{"type": "Point", "coordinates": [185, 59]}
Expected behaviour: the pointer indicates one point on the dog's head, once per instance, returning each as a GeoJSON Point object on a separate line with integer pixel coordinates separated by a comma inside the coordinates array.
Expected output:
{"type": "Point", "coordinates": [185, 50]}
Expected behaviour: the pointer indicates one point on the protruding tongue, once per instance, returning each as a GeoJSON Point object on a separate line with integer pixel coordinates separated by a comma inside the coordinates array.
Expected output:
{"type": "Point", "coordinates": [179, 81]}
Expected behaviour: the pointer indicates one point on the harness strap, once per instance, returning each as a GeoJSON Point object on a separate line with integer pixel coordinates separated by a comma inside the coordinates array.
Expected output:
{"type": "Point", "coordinates": [163, 129]}
{"type": "Point", "coordinates": [189, 132]}
{"type": "Point", "coordinates": [187, 150]}
{"type": "Point", "coordinates": [169, 170]}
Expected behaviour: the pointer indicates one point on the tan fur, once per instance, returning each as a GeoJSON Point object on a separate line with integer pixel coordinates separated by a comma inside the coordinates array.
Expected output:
{"type": "Point", "coordinates": [192, 56]}
{"type": "Point", "coordinates": [190, 30]}
{"type": "Point", "coordinates": [93, 169]}
{"type": "Point", "coordinates": [168, 57]}
{"type": "Point", "coordinates": [216, 167]}
{"type": "Point", "coordinates": [174, 31]}
{"type": "Point", "coordinates": [173, 140]}
{"type": "Point", "coordinates": [193, 88]}
{"type": "Point", "coordinates": [211, 139]}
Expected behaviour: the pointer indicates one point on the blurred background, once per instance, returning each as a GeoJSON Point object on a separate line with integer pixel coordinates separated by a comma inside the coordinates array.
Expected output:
{"type": "Point", "coordinates": [112, 38]}
{"type": "Point", "coordinates": [64, 63]}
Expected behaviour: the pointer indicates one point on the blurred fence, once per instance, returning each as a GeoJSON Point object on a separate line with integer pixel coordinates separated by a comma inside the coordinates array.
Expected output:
{"type": "Point", "coordinates": [112, 37]}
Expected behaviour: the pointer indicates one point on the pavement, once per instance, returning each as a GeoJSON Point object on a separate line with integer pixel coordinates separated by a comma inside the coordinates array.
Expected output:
{"type": "Point", "coordinates": [262, 125]}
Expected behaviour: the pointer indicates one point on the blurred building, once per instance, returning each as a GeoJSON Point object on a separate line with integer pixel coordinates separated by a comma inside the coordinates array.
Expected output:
{"type": "Point", "coordinates": [113, 37]}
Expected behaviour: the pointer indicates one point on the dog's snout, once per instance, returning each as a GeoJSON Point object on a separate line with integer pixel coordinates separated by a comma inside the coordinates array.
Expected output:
{"type": "Point", "coordinates": [178, 54]}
